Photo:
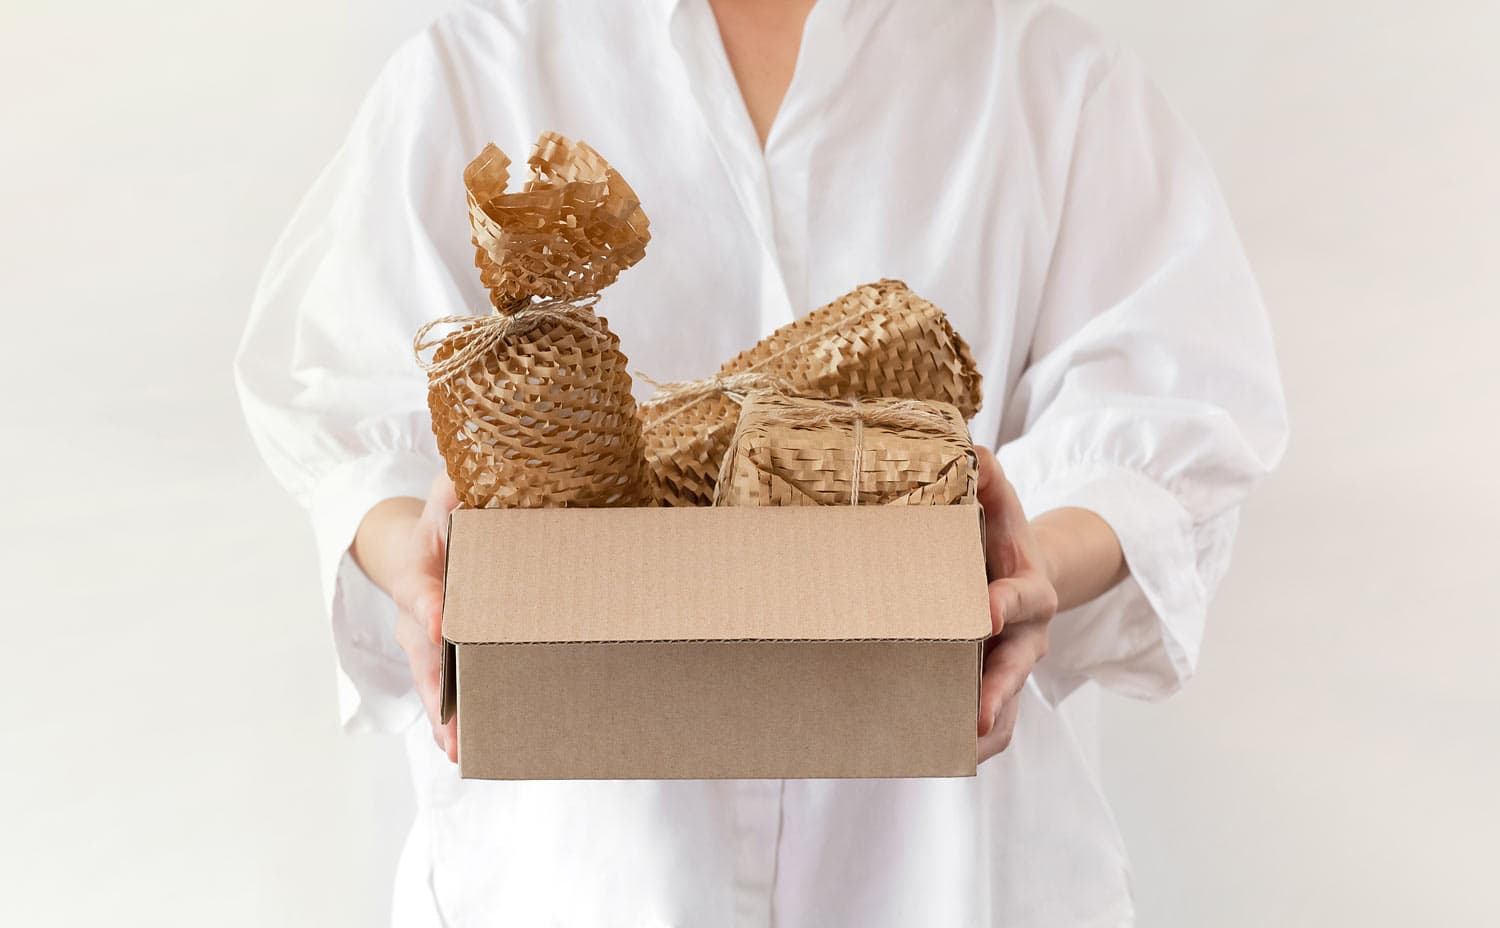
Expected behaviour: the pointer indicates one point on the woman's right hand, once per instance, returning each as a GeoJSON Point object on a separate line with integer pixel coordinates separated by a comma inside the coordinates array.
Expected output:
{"type": "Point", "coordinates": [401, 545]}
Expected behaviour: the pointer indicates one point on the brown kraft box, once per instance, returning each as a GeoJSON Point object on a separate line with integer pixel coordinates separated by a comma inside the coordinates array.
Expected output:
{"type": "Point", "coordinates": [724, 642]}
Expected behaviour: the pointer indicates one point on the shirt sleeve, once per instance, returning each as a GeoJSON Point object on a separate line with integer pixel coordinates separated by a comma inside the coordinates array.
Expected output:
{"type": "Point", "coordinates": [332, 395]}
{"type": "Point", "coordinates": [1151, 394]}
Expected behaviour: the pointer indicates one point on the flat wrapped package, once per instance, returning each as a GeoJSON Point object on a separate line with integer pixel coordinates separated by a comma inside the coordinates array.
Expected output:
{"type": "Point", "coordinates": [801, 451]}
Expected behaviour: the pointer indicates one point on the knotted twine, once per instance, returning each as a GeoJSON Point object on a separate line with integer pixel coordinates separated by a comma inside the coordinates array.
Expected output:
{"type": "Point", "coordinates": [531, 406]}
{"type": "Point", "coordinates": [486, 334]}
{"type": "Point", "coordinates": [684, 393]}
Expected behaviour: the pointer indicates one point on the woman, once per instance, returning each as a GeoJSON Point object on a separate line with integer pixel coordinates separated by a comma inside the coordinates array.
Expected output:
{"type": "Point", "coordinates": [999, 157]}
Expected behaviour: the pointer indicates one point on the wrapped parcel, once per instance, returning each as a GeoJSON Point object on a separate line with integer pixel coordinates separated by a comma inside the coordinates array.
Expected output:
{"type": "Point", "coordinates": [798, 451]}
{"type": "Point", "coordinates": [531, 404]}
{"type": "Point", "coordinates": [879, 340]}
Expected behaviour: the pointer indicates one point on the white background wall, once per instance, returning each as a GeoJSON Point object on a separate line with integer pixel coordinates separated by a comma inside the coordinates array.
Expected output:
{"type": "Point", "coordinates": [169, 747]}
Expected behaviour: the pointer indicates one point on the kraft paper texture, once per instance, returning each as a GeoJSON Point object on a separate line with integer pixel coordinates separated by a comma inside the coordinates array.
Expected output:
{"type": "Point", "coordinates": [798, 451]}
{"type": "Point", "coordinates": [878, 340]}
{"type": "Point", "coordinates": [531, 405]}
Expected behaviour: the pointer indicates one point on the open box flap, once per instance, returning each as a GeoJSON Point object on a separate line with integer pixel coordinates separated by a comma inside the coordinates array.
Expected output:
{"type": "Point", "coordinates": [449, 702]}
{"type": "Point", "coordinates": [537, 576]}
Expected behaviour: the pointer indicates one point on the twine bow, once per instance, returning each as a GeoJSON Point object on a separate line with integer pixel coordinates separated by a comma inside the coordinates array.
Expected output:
{"type": "Point", "coordinates": [485, 333]}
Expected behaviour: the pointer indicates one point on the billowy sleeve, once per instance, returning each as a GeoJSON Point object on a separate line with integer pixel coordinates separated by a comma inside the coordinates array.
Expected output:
{"type": "Point", "coordinates": [1151, 395]}
{"type": "Point", "coordinates": [332, 395]}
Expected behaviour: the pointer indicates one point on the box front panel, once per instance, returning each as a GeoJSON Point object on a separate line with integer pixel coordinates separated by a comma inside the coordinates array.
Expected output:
{"type": "Point", "coordinates": [674, 710]}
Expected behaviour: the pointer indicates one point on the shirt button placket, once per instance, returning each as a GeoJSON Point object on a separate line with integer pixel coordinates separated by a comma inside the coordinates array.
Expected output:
{"type": "Point", "coordinates": [757, 835]}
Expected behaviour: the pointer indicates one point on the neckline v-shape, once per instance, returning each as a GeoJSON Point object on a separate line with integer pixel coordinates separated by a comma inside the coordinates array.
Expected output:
{"type": "Point", "coordinates": [748, 166]}
{"type": "Point", "coordinates": [799, 62]}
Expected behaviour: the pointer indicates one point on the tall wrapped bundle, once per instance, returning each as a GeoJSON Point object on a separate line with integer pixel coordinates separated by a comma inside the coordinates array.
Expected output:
{"type": "Point", "coordinates": [531, 404]}
{"type": "Point", "coordinates": [797, 451]}
{"type": "Point", "coordinates": [878, 340]}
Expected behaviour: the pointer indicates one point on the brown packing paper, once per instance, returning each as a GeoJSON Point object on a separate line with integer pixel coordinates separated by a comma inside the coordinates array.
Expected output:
{"type": "Point", "coordinates": [880, 339]}
{"type": "Point", "coordinates": [797, 451]}
{"type": "Point", "coordinates": [531, 405]}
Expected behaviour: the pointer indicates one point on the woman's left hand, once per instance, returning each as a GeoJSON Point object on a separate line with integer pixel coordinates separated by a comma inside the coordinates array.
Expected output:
{"type": "Point", "coordinates": [1022, 603]}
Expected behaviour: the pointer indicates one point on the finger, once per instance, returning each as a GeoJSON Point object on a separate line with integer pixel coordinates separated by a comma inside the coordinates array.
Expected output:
{"type": "Point", "coordinates": [420, 597]}
{"type": "Point", "coordinates": [1006, 668]}
{"type": "Point", "coordinates": [433, 709]}
{"type": "Point", "coordinates": [996, 495]}
{"type": "Point", "coordinates": [449, 742]}
{"type": "Point", "coordinates": [430, 611]}
{"type": "Point", "coordinates": [441, 497]}
{"type": "Point", "coordinates": [1004, 520]}
{"type": "Point", "coordinates": [431, 563]}
{"type": "Point", "coordinates": [1002, 733]}
{"type": "Point", "coordinates": [432, 542]}
{"type": "Point", "coordinates": [989, 469]}
{"type": "Point", "coordinates": [1020, 599]}
{"type": "Point", "coordinates": [425, 662]}
{"type": "Point", "coordinates": [427, 673]}
{"type": "Point", "coordinates": [411, 634]}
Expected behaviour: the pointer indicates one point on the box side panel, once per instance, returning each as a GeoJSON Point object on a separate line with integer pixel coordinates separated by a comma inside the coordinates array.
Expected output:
{"type": "Point", "coordinates": [673, 710]}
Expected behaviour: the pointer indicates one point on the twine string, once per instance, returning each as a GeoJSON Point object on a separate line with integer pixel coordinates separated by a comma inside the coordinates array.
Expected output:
{"type": "Point", "coordinates": [904, 415]}
{"type": "Point", "coordinates": [483, 334]}
{"type": "Point", "coordinates": [859, 450]}
{"type": "Point", "coordinates": [734, 386]}
{"type": "Point", "coordinates": [688, 393]}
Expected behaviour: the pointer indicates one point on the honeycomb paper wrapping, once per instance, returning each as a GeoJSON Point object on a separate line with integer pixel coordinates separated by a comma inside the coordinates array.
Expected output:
{"type": "Point", "coordinates": [531, 405]}
{"type": "Point", "coordinates": [879, 340]}
{"type": "Point", "coordinates": [797, 451]}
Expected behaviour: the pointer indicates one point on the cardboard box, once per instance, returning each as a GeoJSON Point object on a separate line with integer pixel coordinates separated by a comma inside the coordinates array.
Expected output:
{"type": "Point", "coordinates": [662, 643]}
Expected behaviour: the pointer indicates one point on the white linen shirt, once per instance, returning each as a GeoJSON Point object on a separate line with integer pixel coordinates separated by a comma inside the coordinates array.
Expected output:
{"type": "Point", "coordinates": [1000, 158]}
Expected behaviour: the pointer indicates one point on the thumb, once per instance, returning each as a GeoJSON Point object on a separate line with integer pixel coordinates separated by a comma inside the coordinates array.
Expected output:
{"type": "Point", "coordinates": [1002, 507]}
{"type": "Point", "coordinates": [418, 594]}
{"type": "Point", "coordinates": [427, 606]}
{"type": "Point", "coordinates": [441, 497]}
{"type": "Point", "coordinates": [1002, 513]}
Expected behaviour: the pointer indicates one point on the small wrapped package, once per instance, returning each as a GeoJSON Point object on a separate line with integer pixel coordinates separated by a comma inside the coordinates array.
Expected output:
{"type": "Point", "coordinates": [880, 339]}
{"type": "Point", "coordinates": [531, 404]}
{"type": "Point", "coordinates": [799, 451]}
